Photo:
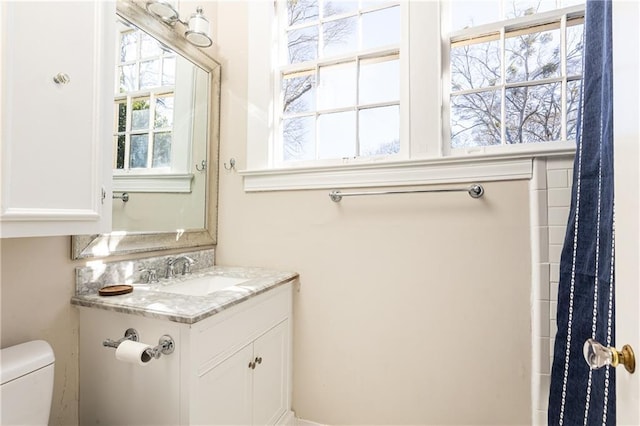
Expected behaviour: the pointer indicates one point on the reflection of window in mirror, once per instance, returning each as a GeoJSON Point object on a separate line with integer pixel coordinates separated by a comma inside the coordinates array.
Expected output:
{"type": "Point", "coordinates": [153, 87]}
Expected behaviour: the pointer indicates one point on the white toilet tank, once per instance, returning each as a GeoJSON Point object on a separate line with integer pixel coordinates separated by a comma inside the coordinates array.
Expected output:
{"type": "Point", "coordinates": [26, 376]}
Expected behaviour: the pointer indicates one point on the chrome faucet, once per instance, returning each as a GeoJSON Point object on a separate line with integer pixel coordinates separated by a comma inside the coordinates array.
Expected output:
{"type": "Point", "coordinates": [186, 267]}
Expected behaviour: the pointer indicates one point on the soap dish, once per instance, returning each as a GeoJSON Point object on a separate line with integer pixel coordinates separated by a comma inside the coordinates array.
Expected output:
{"type": "Point", "coordinates": [115, 290]}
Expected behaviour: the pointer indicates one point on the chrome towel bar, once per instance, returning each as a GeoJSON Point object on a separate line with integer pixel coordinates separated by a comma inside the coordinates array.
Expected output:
{"type": "Point", "coordinates": [475, 191]}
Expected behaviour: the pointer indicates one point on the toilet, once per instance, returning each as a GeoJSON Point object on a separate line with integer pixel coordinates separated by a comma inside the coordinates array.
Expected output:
{"type": "Point", "coordinates": [26, 376]}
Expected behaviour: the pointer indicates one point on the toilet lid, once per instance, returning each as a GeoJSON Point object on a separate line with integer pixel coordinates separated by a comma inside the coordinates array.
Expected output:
{"type": "Point", "coordinates": [18, 360]}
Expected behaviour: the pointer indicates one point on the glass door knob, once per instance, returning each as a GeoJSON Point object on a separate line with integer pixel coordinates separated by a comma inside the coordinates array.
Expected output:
{"type": "Point", "coordinates": [598, 356]}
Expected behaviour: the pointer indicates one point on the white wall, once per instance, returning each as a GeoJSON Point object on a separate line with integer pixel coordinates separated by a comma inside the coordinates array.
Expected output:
{"type": "Point", "coordinates": [36, 284]}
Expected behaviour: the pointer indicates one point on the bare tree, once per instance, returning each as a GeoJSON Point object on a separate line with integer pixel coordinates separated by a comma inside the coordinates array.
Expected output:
{"type": "Point", "coordinates": [303, 45]}
{"type": "Point", "coordinates": [533, 113]}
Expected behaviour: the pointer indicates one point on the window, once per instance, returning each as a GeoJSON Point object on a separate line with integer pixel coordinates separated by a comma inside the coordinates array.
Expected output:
{"type": "Point", "coordinates": [339, 83]}
{"type": "Point", "coordinates": [144, 102]}
{"type": "Point", "coordinates": [313, 122]}
{"type": "Point", "coordinates": [514, 72]}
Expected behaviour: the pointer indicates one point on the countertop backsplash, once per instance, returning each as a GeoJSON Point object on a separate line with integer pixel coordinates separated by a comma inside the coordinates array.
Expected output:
{"type": "Point", "coordinates": [90, 278]}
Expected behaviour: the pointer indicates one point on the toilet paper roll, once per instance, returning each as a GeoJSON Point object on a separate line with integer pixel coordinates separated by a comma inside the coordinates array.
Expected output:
{"type": "Point", "coordinates": [133, 352]}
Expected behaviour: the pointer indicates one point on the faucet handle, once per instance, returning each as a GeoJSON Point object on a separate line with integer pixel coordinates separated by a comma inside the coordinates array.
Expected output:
{"type": "Point", "coordinates": [186, 268]}
{"type": "Point", "coordinates": [152, 275]}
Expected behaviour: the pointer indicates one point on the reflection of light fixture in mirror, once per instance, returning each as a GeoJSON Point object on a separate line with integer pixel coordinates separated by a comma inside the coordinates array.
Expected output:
{"type": "Point", "coordinates": [197, 26]}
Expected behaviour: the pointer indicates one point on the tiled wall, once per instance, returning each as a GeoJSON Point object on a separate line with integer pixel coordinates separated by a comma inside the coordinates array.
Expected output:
{"type": "Point", "coordinates": [550, 201]}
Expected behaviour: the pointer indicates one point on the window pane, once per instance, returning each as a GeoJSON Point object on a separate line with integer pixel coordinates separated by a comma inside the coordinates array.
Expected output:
{"type": "Point", "coordinates": [302, 45]}
{"type": "Point", "coordinates": [381, 28]}
{"type": "Point", "coordinates": [140, 114]}
{"type": "Point", "coordinates": [164, 112]}
{"type": "Point", "coordinates": [299, 11]}
{"type": "Point", "coordinates": [149, 74]}
{"type": "Point", "coordinates": [379, 80]}
{"type": "Point", "coordinates": [475, 119]}
{"type": "Point", "coordinates": [533, 56]}
{"type": "Point", "coordinates": [339, 7]}
{"type": "Point", "coordinates": [129, 47]}
{"type": "Point", "coordinates": [128, 80]}
{"type": "Point", "coordinates": [337, 86]}
{"type": "Point", "coordinates": [148, 46]}
{"type": "Point", "coordinates": [120, 150]}
{"type": "Point", "coordinates": [517, 8]}
{"type": "Point", "coordinates": [169, 71]}
{"type": "Point", "coordinates": [574, 49]}
{"type": "Point", "coordinates": [475, 66]}
{"type": "Point", "coordinates": [299, 140]}
{"type": "Point", "coordinates": [573, 100]}
{"type": "Point", "coordinates": [337, 135]}
{"type": "Point", "coordinates": [340, 37]}
{"type": "Point", "coordinates": [121, 116]}
{"type": "Point", "coordinates": [379, 131]}
{"type": "Point", "coordinates": [299, 93]}
{"type": "Point", "coordinates": [139, 151]}
{"type": "Point", "coordinates": [162, 149]}
{"type": "Point", "coordinates": [533, 114]}
{"type": "Point", "coordinates": [471, 13]}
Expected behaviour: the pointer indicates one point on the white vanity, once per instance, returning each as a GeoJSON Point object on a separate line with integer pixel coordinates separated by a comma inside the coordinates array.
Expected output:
{"type": "Point", "coordinates": [231, 363]}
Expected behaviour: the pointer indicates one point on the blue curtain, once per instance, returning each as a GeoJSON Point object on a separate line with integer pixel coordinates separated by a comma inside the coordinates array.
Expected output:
{"type": "Point", "coordinates": [578, 395]}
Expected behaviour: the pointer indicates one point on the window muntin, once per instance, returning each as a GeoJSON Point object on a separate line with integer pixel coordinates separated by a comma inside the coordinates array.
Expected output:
{"type": "Point", "coordinates": [144, 103]}
{"type": "Point", "coordinates": [515, 81]}
{"type": "Point", "coordinates": [341, 66]}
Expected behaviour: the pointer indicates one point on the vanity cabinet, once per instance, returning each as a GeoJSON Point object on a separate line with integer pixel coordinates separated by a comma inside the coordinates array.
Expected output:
{"type": "Point", "coordinates": [231, 368]}
{"type": "Point", "coordinates": [56, 114]}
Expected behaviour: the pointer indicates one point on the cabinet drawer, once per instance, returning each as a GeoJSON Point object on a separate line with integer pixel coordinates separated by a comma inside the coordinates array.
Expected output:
{"type": "Point", "coordinates": [223, 334]}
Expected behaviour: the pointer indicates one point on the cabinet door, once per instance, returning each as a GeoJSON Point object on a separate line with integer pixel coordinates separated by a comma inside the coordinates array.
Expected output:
{"type": "Point", "coordinates": [223, 394]}
{"type": "Point", "coordinates": [56, 136]}
{"type": "Point", "coordinates": [270, 377]}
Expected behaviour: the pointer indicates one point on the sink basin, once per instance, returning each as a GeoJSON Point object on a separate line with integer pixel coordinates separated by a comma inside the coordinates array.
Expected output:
{"type": "Point", "coordinates": [201, 286]}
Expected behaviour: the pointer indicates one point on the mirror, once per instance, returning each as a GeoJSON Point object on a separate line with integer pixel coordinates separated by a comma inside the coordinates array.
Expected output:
{"type": "Point", "coordinates": [166, 127]}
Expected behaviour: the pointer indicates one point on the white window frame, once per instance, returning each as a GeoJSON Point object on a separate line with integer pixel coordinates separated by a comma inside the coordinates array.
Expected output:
{"type": "Point", "coordinates": [539, 19]}
{"type": "Point", "coordinates": [425, 159]}
{"type": "Point", "coordinates": [356, 57]}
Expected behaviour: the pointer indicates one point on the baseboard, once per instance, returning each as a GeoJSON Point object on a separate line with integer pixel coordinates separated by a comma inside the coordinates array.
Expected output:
{"type": "Point", "coordinates": [303, 422]}
{"type": "Point", "coordinates": [287, 419]}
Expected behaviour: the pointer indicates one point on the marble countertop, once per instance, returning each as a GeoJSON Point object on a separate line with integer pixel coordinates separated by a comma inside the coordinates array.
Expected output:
{"type": "Point", "coordinates": [147, 301]}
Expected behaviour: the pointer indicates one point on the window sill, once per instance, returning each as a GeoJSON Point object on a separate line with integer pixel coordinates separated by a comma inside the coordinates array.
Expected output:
{"type": "Point", "coordinates": [468, 168]}
{"type": "Point", "coordinates": [173, 182]}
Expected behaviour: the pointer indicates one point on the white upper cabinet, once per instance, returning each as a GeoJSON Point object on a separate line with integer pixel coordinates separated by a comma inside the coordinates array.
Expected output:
{"type": "Point", "coordinates": [56, 115]}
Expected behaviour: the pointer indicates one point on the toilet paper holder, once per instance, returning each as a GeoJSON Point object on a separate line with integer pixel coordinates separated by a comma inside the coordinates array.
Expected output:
{"type": "Point", "coordinates": [165, 346]}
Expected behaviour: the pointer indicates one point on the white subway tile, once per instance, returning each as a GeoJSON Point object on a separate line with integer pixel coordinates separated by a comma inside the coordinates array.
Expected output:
{"type": "Point", "coordinates": [553, 291]}
{"type": "Point", "coordinates": [559, 197]}
{"type": "Point", "coordinates": [558, 215]}
{"type": "Point", "coordinates": [545, 283]}
{"type": "Point", "coordinates": [544, 367]}
{"type": "Point", "coordinates": [543, 306]}
{"type": "Point", "coordinates": [554, 252]}
{"type": "Point", "coordinates": [553, 328]}
{"type": "Point", "coordinates": [553, 310]}
{"type": "Point", "coordinates": [554, 271]}
{"type": "Point", "coordinates": [542, 207]}
{"type": "Point", "coordinates": [543, 238]}
{"type": "Point", "coordinates": [557, 179]}
{"type": "Point", "coordinates": [545, 383]}
{"type": "Point", "coordinates": [556, 234]}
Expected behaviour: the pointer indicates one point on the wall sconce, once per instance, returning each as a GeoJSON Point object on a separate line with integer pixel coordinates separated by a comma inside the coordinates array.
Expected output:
{"type": "Point", "coordinates": [197, 25]}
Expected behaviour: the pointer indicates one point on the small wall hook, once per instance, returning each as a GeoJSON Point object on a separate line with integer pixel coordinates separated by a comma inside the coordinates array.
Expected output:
{"type": "Point", "coordinates": [232, 164]}
{"type": "Point", "coordinates": [203, 166]}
